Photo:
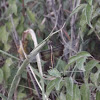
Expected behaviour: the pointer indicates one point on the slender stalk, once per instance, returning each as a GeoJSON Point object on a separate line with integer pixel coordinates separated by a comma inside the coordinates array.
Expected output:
{"type": "Point", "coordinates": [3, 52]}
{"type": "Point", "coordinates": [16, 78]}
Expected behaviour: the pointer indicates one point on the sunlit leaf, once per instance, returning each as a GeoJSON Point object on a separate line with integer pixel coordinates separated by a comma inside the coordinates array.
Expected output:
{"type": "Point", "coordinates": [31, 15]}
{"type": "Point", "coordinates": [90, 65]}
{"type": "Point", "coordinates": [16, 22]}
{"type": "Point", "coordinates": [50, 86]}
{"type": "Point", "coordinates": [68, 97]}
{"type": "Point", "coordinates": [3, 97]}
{"type": "Point", "coordinates": [78, 56]}
{"type": "Point", "coordinates": [89, 1]}
{"type": "Point", "coordinates": [21, 95]}
{"type": "Point", "coordinates": [9, 26]}
{"type": "Point", "coordinates": [85, 92]}
{"type": "Point", "coordinates": [90, 31]}
{"type": "Point", "coordinates": [80, 63]}
{"type": "Point", "coordinates": [20, 27]}
{"type": "Point", "coordinates": [41, 27]}
{"type": "Point", "coordinates": [88, 68]}
{"type": "Point", "coordinates": [78, 8]}
{"type": "Point", "coordinates": [7, 46]}
{"type": "Point", "coordinates": [89, 10]}
{"type": "Point", "coordinates": [62, 96]}
{"type": "Point", "coordinates": [6, 68]}
{"type": "Point", "coordinates": [82, 24]}
{"type": "Point", "coordinates": [98, 95]}
{"type": "Point", "coordinates": [61, 64]}
{"type": "Point", "coordinates": [54, 72]}
{"type": "Point", "coordinates": [94, 78]}
{"type": "Point", "coordinates": [96, 13]}
{"type": "Point", "coordinates": [81, 57]}
{"type": "Point", "coordinates": [58, 86]}
{"type": "Point", "coordinates": [69, 85]}
{"type": "Point", "coordinates": [13, 7]}
{"type": "Point", "coordinates": [76, 93]}
{"type": "Point", "coordinates": [83, 18]}
{"type": "Point", "coordinates": [3, 34]}
{"type": "Point", "coordinates": [68, 65]}
{"type": "Point", "coordinates": [98, 25]}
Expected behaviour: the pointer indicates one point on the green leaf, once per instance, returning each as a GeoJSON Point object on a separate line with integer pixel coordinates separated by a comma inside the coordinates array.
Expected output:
{"type": "Point", "coordinates": [6, 71]}
{"type": "Point", "coordinates": [94, 78]}
{"type": "Point", "coordinates": [9, 26]}
{"type": "Point", "coordinates": [90, 2]}
{"type": "Point", "coordinates": [80, 63]}
{"type": "Point", "coordinates": [83, 18]}
{"type": "Point", "coordinates": [3, 97]}
{"type": "Point", "coordinates": [16, 22]}
{"type": "Point", "coordinates": [61, 64]}
{"type": "Point", "coordinates": [54, 72]}
{"type": "Point", "coordinates": [50, 86]}
{"type": "Point", "coordinates": [98, 66]}
{"type": "Point", "coordinates": [78, 8]}
{"type": "Point", "coordinates": [62, 96]}
{"type": "Point", "coordinates": [4, 37]}
{"type": "Point", "coordinates": [88, 68]}
{"type": "Point", "coordinates": [9, 62]}
{"type": "Point", "coordinates": [90, 31]}
{"type": "Point", "coordinates": [68, 97]}
{"type": "Point", "coordinates": [85, 93]}
{"type": "Point", "coordinates": [68, 65]}
{"type": "Point", "coordinates": [41, 27]}
{"type": "Point", "coordinates": [20, 27]}
{"type": "Point", "coordinates": [12, 7]}
{"type": "Point", "coordinates": [76, 91]}
{"type": "Point", "coordinates": [82, 24]}
{"type": "Point", "coordinates": [88, 12]}
{"type": "Point", "coordinates": [98, 95]}
{"type": "Point", "coordinates": [1, 75]}
{"type": "Point", "coordinates": [58, 86]}
{"type": "Point", "coordinates": [98, 25]}
{"type": "Point", "coordinates": [6, 68]}
{"type": "Point", "coordinates": [7, 46]}
{"type": "Point", "coordinates": [31, 15]}
{"type": "Point", "coordinates": [91, 64]}
{"type": "Point", "coordinates": [69, 85]}
{"type": "Point", "coordinates": [96, 13]}
{"type": "Point", "coordinates": [21, 96]}
{"type": "Point", "coordinates": [78, 56]}
{"type": "Point", "coordinates": [3, 34]}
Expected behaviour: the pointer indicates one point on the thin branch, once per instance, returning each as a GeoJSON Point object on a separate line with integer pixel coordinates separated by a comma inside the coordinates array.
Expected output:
{"type": "Point", "coordinates": [3, 52]}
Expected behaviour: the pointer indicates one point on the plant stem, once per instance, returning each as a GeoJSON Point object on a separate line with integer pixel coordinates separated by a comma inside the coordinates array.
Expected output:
{"type": "Point", "coordinates": [16, 78]}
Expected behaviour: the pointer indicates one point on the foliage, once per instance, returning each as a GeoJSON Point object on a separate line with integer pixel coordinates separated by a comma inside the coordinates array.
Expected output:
{"type": "Point", "coordinates": [73, 76]}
